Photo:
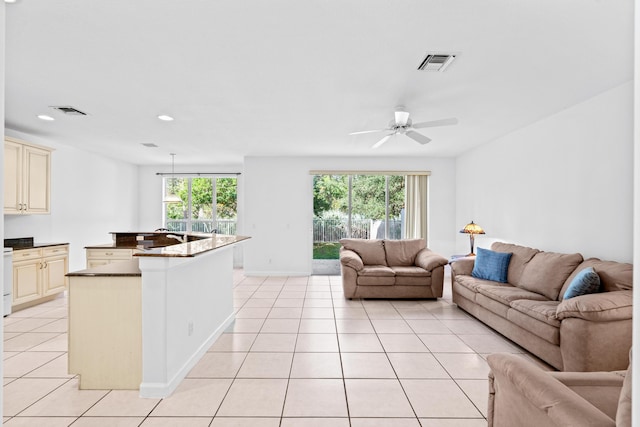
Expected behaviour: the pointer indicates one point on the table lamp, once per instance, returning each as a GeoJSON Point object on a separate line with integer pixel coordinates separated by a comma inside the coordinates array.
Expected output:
{"type": "Point", "coordinates": [472, 229]}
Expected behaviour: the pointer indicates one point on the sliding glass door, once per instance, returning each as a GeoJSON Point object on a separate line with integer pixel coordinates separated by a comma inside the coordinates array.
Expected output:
{"type": "Point", "coordinates": [367, 206]}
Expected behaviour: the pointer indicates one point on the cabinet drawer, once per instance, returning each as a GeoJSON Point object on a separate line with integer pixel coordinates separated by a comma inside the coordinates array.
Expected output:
{"type": "Point", "coordinates": [109, 253]}
{"type": "Point", "coordinates": [55, 250]}
{"type": "Point", "coordinates": [26, 254]}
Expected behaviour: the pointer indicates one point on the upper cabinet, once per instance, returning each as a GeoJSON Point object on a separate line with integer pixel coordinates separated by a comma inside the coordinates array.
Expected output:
{"type": "Point", "coordinates": [27, 178]}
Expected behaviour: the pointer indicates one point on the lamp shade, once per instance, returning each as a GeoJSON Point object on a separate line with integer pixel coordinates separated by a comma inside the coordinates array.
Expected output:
{"type": "Point", "coordinates": [472, 228]}
{"type": "Point", "coordinates": [172, 198]}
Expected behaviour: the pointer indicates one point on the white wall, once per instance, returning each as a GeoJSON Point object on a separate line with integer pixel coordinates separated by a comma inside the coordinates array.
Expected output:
{"type": "Point", "coordinates": [562, 184]}
{"type": "Point", "coordinates": [278, 207]}
{"type": "Point", "coordinates": [91, 196]}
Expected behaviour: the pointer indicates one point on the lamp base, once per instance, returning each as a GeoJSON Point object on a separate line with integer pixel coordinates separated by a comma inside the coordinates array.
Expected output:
{"type": "Point", "coordinates": [471, 254]}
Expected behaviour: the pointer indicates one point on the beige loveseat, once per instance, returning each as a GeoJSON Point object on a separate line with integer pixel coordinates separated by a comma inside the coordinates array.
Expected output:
{"type": "Point", "coordinates": [523, 395]}
{"type": "Point", "coordinates": [585, 333]}
{"type": "Point", "coordinates": [390, 269]}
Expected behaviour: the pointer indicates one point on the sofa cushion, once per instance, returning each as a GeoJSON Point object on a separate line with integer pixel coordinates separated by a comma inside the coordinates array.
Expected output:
{"type": "Point", "coordinates": [614, 276]}
{"type": "Point", "coordinates": [371, 251]}
{"type": "Point", "coordinates": [491, 265]}
{"type": "Point", "coordinates": [547, 271]}
{"type": "Point", "coordinates": [403, 252]}
{"type": "Point", "coordinates": [472, 283]}
{"type": "Point", "coordinates": [585, 282]}
{"type": "Point", "coordinates": [506, 294]}
{"type": "Point", "coordinates": [376, 270]}
{"type": "Point", "coordinates": [372, 275]}
{"type": "Point", "coordinates": [530, 324]}
{"type": "Point", "coordinates": [521, 255]}
{"type": "Point", "coordinates": [412, 271]}
{"type": "Point", "coordinates": [544, 311]}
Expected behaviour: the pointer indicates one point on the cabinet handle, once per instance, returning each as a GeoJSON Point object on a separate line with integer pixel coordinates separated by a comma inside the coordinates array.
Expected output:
{"type": "Point", "coordinates": [45, 265]}
{"type": "Point", "coordinates": [108, 253]}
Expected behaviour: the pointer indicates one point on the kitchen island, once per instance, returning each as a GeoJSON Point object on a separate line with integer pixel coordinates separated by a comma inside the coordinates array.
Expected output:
{"type": "Point", "coordinates": [144, 323]}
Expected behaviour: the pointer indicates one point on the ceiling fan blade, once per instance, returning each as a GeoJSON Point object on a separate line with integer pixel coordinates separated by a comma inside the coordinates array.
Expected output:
{"type": "Point", "coordinates": [382, 141]}
{"type": "Point", "coordinates": [418, 137]}
{"type": "Point", "coordinates": [433, 123]}
{"type": "Point", "coordinates": [367, 131]}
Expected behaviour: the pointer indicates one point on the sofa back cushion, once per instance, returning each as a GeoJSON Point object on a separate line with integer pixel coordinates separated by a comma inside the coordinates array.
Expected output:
{"type": "Point", "coordinates": [614, 276]}
{"type": "Point", "coordinates": [371, 251]}
{"type": "Point", "coordinates": [521, 255]}
{"type": "Point", "coordinates": [402, 253]}
{"type": "Point", "coordinates": [547, 272]}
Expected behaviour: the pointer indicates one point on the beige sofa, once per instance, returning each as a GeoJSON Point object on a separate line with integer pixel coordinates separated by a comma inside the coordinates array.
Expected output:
{"type": "Point", "coordinates": [585, 333]}
{"type": "Point", "coordinates": [390, 269]}
{"type": "Point", "coordinates": [523, 395]}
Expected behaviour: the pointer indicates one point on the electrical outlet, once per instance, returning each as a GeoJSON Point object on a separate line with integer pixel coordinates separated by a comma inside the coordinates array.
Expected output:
{"type": "Point", "coordinates": [190, 328]}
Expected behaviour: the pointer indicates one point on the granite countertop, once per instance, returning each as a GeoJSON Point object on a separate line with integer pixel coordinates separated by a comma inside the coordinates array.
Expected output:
{"type": "Point", "coordinates": [191, 249]}
{"type": "Point", "coordinates": [37, 246]}
{"type": "Point", "coordinates": [116, 269]}
{"type": "Point", "coordinates": [112, 245]}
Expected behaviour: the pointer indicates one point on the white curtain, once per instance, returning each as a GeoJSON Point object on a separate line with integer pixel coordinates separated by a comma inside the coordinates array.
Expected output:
{"type": "Point", "coordinates": [415, 221]}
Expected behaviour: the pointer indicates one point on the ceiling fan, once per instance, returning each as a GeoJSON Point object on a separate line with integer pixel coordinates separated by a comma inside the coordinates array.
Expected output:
{"type": "Point", "coordinates": [402, 124]}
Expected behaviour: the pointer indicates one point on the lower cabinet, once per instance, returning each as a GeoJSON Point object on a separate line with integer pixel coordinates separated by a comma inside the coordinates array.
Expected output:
{"type": "Point", "coordinates": [39, 274]}
{"type": "Point", "coordinates": [98, 257]}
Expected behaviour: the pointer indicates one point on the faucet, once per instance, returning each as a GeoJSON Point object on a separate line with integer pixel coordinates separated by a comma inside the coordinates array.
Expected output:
{"type": "Point", "coordinates": [181, 239]}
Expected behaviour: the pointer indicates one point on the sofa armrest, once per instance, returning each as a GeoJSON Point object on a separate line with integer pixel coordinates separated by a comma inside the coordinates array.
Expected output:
{"type": "Point", "coordinates": [462, 266]}
{"type": "Point", "coordinates": [429, 260]}
{"type": "Point", "coordinates": [351, 259]}
{"type": "Point", "coordinates": [601, 389]}
{"type": "Point", "coordinates": [521, 394]}
{"type": "Point", "coordinates": [599, 307]}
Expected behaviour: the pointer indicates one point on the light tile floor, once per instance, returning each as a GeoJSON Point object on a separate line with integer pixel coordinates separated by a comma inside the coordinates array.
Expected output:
{"type": "Point", "coordinates": [298, 354]}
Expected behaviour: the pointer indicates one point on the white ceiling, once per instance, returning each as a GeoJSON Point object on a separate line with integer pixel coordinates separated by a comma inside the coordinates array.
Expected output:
{"type": "Point", "coordinates": [292, 77]}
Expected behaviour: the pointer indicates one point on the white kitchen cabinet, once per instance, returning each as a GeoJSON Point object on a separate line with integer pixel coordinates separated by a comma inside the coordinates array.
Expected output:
{"type": "Point", "coordinates": [39, 274]}
{"type": "Point", "coordinates": [98, 257]}
{"type": "Point", "coordinates": [27, 178]}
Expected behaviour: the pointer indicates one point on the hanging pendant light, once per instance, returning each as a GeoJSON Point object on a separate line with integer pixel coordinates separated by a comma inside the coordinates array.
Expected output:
{"type": "Point", "coordinates": [170, 197]}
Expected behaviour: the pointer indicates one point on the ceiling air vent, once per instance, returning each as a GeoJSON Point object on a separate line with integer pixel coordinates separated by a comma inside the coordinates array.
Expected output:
{"type": "Point", "coordinates": [436, 61]}
{"type": "Point", "coordinates": [70, 110]}
{"type": "Point", "coordinates": [149, 144]}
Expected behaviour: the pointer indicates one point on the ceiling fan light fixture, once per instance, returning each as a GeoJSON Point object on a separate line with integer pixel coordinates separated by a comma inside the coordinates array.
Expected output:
{"type": "Point", "coordinates": [165, 118]}
{"type": "Point", "coordinates": [402, 117]}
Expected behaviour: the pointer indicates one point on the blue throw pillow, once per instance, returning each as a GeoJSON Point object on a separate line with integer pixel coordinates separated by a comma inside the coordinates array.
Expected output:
{"type": "Point", "coordinates": [491, 265]}
{"type": "Point", "coordinates": [585, 282]}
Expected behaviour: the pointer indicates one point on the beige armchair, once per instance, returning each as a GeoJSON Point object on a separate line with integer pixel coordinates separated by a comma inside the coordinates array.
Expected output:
{"type": "Point", "coordinates": [521, 394]}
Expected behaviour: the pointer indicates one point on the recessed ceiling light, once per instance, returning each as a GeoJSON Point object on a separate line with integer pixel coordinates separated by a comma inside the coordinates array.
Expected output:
{"type": "Point", "coordinates": [9, 1]}
{"type": "Point", "coordinates": [44, 116]}
{"type": "Point", "coordinates": [165, 118]}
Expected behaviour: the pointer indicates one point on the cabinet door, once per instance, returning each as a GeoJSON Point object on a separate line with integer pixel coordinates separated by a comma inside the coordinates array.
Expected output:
{"type": "Point", "coordinates": [97, 262]}
{"type": "Point", "coordinates": [36, 190]}
{"type": "Point", "coordinates": [53, 275]}
{"type": "Point", "coordinates": [97, 257]}
{"type": "Point", "coordinates": [26, 281]}
{"type": "Point", "coordinates": [12, 177]}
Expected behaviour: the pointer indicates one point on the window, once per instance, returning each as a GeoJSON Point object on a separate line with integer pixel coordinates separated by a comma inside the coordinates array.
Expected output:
{"type": "Point", "coordinates": [207, 205]}
{"type": "Point", "coordinates": [365, 206]}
